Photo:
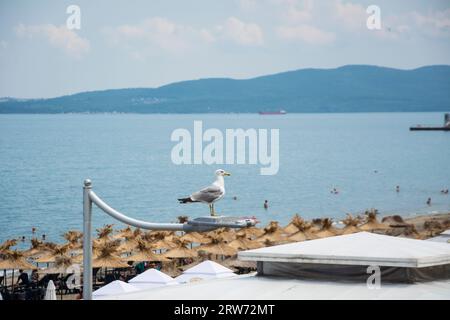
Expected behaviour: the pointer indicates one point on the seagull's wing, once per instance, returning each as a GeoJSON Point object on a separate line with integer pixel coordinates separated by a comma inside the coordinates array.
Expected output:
{"type": "Point", "coordinates": [208, 194]}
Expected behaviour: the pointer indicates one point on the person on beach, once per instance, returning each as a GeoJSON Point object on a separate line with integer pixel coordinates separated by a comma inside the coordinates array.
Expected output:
{"type": "Point", "coordinates": [23, 278]}
{"type": "Point", "coordinates": [429, 201]}
{"type": "Point", "coordinates": [266, 204]}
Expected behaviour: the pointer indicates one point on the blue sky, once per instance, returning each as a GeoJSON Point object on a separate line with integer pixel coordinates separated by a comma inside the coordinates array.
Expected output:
{"type": "Point", "coordinates": [151, 43]}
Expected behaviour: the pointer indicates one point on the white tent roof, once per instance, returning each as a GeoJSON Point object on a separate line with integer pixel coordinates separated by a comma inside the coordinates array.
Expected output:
{"type": "Point", "coordinates": [152, 278]}
{"type": "Point", "coordinates": [362, 248]}
{"type": "Point", "coordinates": [208, 267]}
{"type": "Point", "coordinates": [205, 270]}
{"type": "Point", "coordinates": [114, 288]}
{"type": "Point", "coordinates": [276, 288]}
{"type": "Point", "coordinates": [446, 233]}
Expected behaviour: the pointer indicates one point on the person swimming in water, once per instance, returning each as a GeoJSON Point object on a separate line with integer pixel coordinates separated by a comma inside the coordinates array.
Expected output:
{"type": "Point", "coordinates": [397, 188]}
{"type": "Point", "coordinates": [429, 201]}
{"type": "Point", "coordinates": [266, 204]}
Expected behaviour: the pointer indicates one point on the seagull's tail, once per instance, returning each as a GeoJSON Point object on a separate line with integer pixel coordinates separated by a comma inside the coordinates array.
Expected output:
{"type": "Point", "coordinates": [186, 200]}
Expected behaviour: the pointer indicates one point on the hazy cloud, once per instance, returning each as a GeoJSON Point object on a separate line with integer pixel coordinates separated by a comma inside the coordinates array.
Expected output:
{"type": "Point", "coordinates": [243, 33]}
{"type": "Point", "coordinates": [306, 33]}
{"type": "Point", "coordinates": [59, 37]}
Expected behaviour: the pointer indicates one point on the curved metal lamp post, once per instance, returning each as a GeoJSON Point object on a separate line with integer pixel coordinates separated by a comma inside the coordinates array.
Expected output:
{"type": "Point", "coordinates": [90, 197]}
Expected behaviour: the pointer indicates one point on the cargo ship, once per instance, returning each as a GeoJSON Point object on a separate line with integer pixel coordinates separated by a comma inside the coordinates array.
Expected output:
{"type": "Point", "coordinates": [445, 127]}
{"type": "Point", "coordinates": [272, 112]}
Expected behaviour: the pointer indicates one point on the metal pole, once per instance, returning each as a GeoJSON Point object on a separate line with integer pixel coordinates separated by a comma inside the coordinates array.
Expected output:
{"type": "Point", "coordinates": [87, 241]}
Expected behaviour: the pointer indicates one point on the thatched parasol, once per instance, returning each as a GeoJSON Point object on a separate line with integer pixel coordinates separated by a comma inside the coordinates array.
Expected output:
{"type": "Point", "coordinates": [62, 263]}
{"type": "Point", "coordinates": [6, 246]}
{"type": "Point", "coordinates": [327, 229]}
{"type": "Point", "coordinates": [104, 234]}
{"type": "Point", "coordinates": [180, 251]}
{"type": "Point", "coordinates": [124, 233]}
{"type": "Point", "coordinates": [217, 247]}
{"type": "Point", "coordinates": [372, 222]}
{"type": "Point", "coordinates": [108, 256]}
{"type": "Point", "coordinates": [195, 237]}
{"type": "Point", "coordinates": [53, 251]}
{"type": "Point", "coordinates": [163, 240]}
{"type": "Point", "coordinates": [226, 234]}
{"type": "Point", "coordinates": [145, 253]}
{"type": "Point", "coordinates": [251, 232]}
{"type": "Point", "coordinates": [351, 224]}
{"type": "Point", "coordinates": [273, 233]}
{"type": "Point", "coordinates": [11, 260]}
{"type": "Point", "coordinates": [304, 231]}
{"type": "Point", "coordinates": [293, 226]}
{"type": "Point", "coordinates": [243, 243]}
{"type": "Point", "coordinates": [73, 238]}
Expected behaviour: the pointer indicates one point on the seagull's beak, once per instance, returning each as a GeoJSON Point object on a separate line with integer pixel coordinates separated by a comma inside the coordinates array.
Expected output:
{"type": "Point", "coordinates": [227, 174]}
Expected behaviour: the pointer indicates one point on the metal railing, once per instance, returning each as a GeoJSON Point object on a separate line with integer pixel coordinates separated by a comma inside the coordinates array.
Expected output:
{"type": "Point", "coordinates": [90, 197]}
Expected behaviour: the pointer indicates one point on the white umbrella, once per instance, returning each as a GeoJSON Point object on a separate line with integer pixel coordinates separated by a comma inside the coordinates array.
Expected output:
{"type": "Point", "coordinates": [205, 270]}
{"type": "Point", "coordinates": [113, 288]}
{"type": "Point", "coordinates": [152, 278]}
{"type": "Point", "coordinates": [50, 293]}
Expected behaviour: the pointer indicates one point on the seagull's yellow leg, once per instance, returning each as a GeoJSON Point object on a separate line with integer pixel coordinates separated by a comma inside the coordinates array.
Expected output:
{"type": "Point", "coordinates": [213, 213]}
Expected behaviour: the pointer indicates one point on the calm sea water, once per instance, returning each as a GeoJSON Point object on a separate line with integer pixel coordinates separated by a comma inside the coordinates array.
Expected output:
{"type": "Point", "coordinates": [45, 158]}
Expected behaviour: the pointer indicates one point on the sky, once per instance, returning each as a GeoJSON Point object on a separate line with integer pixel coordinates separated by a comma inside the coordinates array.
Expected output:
{"type": "Point", "coordinates": [134, 43]}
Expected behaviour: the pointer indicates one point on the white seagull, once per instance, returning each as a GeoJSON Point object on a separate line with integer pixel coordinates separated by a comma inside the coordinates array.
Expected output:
{"type": "Point", "coordinates": [210, 194]}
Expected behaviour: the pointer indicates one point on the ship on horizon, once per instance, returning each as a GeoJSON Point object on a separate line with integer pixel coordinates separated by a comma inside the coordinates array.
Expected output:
{"type": "Point", "coordinates": [273, 112]}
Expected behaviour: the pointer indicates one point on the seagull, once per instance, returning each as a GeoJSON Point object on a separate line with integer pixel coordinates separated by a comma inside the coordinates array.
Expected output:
{"type": "Point", "coordinates": [210, 194]}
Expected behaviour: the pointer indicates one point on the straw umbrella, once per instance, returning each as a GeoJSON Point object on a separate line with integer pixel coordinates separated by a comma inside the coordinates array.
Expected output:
{"type": "Point", "coordinates": [6, 246]}
{"type": "Point", "coordinates": [38, 247]}
{"type": "Point", "coordinates": [304, 230]}
{"type": "Point", "coordinates": [104, 234]}
{"type": "Point", "coordinates": [273, 233]}
{"type": "Point", "coordinates": [145, 253]}
{"type": "Point", "coordinates": [12, 260]}
{"type": "Point", "coordinates": [251, 232]}
{"type": "Point", "coordinates": [372, 223]}
{"type": "Point", "coordinates": [195, 237]}
{"type": "Point", "coordinates": [181, 251]}
{"type": "Point", "coordinates": [108, 256]}
{"type": "Point", "coordinates": [218, 247]}
{"type": "Point", "coordinates": [242, 243]}
{"type": "Point", "coordinates": [327, 229]}
{"type": "Point", "coordinates": [54, 251]}
{"type": "Point", "coordinates": [162, 240]}
{"type": "Point", "coordinates": [73, 238]}
{"type": "Point", "coordinates": [351, 224]}
{"type": "Point", "coordinates": [124, 233]}
{"type": "Point", "coordinates": [225, 233]}
{"type": "Point", "coordinates": [292, 227]}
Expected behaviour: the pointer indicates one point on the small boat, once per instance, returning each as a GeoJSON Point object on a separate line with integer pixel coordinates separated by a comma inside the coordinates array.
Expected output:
{"type": "Point", "coordinates": [272, 112]}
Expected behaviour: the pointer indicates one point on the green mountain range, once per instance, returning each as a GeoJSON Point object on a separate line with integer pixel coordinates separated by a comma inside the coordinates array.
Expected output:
{"type": "Point", "coordinates": [352, 88]}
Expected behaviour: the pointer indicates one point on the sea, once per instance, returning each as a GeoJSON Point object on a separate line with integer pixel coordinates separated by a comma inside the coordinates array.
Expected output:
{"type": "Point", "coordinates": [44, 160]}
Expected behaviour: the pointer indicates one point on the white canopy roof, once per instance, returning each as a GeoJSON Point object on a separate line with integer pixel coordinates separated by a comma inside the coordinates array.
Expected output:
{"type": "Point", "coordinates": [114, 288]}
{"type": "Point", "coordinates": [152, 278]}
{"type": "Point", "coordinates": [208, 267]}
{"type": "Point", "coordinates": [205, 270]}
{"type": "Point", "coordinates": [446, 233]}
{"type": "Point", "coordinates": [276, 288]}
{"type": "Point", "coordinates": [361, 248]}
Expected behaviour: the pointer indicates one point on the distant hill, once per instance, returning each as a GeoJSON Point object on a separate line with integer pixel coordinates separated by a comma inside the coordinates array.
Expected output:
{"type": "Point", "coordinates": [353, 88]}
